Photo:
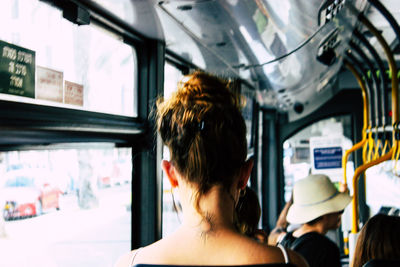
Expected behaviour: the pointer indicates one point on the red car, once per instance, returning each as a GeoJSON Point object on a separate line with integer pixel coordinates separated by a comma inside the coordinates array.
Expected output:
{"type": "Point", "coordinates": [27, 193]}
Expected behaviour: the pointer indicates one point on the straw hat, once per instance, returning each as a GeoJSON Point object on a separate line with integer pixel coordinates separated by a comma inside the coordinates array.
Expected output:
{"type": "Point", "coordinates": [313, 197]}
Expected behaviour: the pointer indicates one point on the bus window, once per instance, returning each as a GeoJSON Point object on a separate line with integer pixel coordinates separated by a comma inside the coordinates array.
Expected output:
{"type": "Point", "coordinates": [383, 188]}
{"type": "Point", "coordinates": [63, 202]}
{"type": "Point", "coordinates": [317, 148]}
{"type": "Point", "coordinates": [76, 67]}
{"type": "Point", "coordinates": [170, 211]}
{"type": "Point", "coordinates": [171, 78]}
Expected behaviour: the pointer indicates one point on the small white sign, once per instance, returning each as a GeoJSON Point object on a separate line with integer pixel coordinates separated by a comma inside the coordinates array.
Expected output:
{"type": "Point", "coordinates": [73, 93]}
{"type": "Point", "coordinates": [326, 156]}
{"type": "Point", "coordinates": [49, 84]}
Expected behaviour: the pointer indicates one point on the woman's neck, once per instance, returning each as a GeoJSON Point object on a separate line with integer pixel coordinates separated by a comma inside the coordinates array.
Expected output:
{"type": "Point", "coordinates": [306, 228]}
{"type": "Point", "coordinates": [215, 210]}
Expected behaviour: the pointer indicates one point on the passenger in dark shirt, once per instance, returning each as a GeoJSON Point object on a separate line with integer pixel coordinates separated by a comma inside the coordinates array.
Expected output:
{"type": "Point", "coordinates": [317, 207]}
{"type": "Point", "coordinates": [317, 249]}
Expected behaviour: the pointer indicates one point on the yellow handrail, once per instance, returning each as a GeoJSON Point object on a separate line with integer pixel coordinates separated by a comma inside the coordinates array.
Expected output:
{"type": "Point", "coordinates": [365, 120]}
{"type": "Point", "coordinates": [377, 147]}
{"type": "Point", "coordinates": [385, 147]}
{"type": "Point", "coordinates": [396, 159]}
{"type": "Point", "coordinates": [371, 146]}
{"type": "Point", "coordinates": [365, 147]}
{"type": "Point", "coordinates": [395, 118]}
{"type": "Point", "coordinates": [357, 174]}
{"type": "Point", "coordinates": [396, 153]}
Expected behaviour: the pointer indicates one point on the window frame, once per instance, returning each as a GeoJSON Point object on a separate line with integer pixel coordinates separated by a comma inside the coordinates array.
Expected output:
{"type": "Point", "coordinates": [24, 124]}
{"type": "Point", "coordinates": [30, 126]}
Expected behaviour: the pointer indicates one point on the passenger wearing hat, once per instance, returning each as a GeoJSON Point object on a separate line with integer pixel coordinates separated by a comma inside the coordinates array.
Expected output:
{"type": "Point", "coordinates": [317, 206]}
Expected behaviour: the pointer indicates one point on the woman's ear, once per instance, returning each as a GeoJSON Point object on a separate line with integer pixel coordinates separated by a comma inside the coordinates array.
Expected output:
{"type": "Point", "coordinates": [169, 170]}
{"type": "Point", "coordinates": [245, 173]}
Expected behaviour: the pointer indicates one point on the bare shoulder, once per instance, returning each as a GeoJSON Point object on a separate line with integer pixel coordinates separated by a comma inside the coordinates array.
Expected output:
{"type": "Point", "coordinates": [125, 260]}
{"type": "Point", "coordinates": [297, 259]}
{"type": "Point", "coordinates": [263, 253]}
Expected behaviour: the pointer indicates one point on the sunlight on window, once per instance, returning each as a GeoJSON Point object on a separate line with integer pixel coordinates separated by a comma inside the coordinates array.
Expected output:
{"type": "Point", "coordinates": [87, 56]}
{"type": "Point", "coordinates": [65, 207]}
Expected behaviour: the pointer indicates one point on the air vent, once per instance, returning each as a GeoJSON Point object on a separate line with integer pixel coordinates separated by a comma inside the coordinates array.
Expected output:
{"type": "Point", "coordinates": [328, 10]}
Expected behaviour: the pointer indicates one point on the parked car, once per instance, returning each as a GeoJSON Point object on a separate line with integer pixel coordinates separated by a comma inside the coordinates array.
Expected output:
{"type": "Point", "coordinates": [115, 174]}
{"type": "Point", "coordinates": [28, 192]}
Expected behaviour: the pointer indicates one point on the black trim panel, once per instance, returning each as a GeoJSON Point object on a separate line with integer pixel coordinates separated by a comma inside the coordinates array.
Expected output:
{"type": "Point", "coordinates": [23, 124]}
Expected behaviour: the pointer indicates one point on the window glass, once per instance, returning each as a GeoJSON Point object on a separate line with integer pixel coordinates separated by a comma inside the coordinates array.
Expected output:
{"type": "Point", "coordinates": [65, 207]}
{"type": "Point", "coordinates": [318, 148]}
{"type": "Point", "coordinates": [171, 78]}
{"type": "Point", "coordinates": [121, 8]}
{"type": "Point", "coordinates": [77, 67]}
{"type": "Point", "coordinates": [171, 206]}
{"type": "Point", "coordinates": [383, 187]}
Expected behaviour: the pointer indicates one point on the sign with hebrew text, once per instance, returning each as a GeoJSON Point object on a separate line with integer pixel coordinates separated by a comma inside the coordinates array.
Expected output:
{"type": "Point", "coordinates": [17, 70]}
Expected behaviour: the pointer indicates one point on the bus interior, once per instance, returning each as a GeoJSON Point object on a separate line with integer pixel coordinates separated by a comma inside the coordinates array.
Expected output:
{"type": "Point", "coordinates": [80, 175]}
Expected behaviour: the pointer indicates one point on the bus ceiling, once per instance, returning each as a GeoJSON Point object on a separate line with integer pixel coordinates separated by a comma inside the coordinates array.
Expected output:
{"type": "Point", "coordinates": [289, 52]}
